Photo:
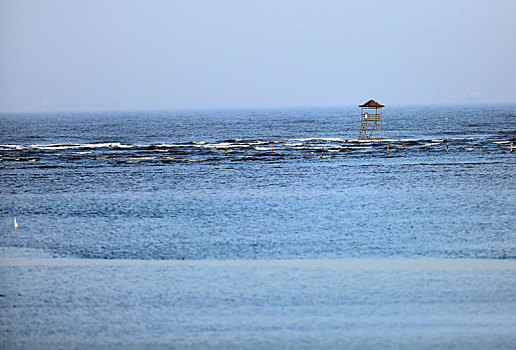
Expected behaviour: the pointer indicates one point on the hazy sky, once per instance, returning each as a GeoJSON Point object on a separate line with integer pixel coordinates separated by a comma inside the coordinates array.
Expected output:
{"type": "Point", "coordinates": [100, 55]}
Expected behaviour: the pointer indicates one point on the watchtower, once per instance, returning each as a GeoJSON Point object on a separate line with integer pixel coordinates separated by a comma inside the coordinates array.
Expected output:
{"type": "Point", "coordinates": [371, 127]}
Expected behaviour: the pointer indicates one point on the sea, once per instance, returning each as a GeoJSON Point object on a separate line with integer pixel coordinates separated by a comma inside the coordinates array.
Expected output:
{"type": "Point", "coordinates": [258, 229]}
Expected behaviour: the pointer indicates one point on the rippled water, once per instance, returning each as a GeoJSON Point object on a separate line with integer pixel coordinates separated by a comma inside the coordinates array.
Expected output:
{"type": "Point", "coordinates": [258, 188]}
{"type": "Point", "coordinates": [160, 185]}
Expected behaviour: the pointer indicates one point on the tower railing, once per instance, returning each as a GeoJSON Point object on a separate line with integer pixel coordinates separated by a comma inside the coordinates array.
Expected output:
{"type": "Point", "coordinates": [371, 126]}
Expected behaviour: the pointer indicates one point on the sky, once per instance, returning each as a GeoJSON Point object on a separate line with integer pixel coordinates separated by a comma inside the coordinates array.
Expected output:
{"type": "Point", "coordinates": [132, 55]}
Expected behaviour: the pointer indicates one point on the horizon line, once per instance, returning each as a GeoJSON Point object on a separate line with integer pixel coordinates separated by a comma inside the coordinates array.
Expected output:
{"type": "Point", "coordinates": [226, 108]}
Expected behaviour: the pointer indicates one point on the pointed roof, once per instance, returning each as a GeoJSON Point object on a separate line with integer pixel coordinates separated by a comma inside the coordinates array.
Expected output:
{"type": "Point", "coordinates": [371, 103]}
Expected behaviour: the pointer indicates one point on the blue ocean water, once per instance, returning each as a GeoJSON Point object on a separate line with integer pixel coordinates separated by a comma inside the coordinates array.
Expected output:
{"type": "Point", "coordinates": [107, 197]}
{"type": "Point", "coordinates": [157, 185]}
{"type": "Point", "coordinates": [246, 306]}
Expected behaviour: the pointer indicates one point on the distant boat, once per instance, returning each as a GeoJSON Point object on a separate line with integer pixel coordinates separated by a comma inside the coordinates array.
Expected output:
{"type": "Point", "coordinates": [15, 223]}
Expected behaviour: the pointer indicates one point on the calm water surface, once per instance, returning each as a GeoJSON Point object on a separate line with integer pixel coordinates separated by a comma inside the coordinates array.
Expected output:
{"type": "Point", "coordinates": [154, 186]}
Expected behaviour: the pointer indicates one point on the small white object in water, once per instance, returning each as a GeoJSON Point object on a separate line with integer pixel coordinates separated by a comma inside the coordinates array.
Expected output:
{"type": "Point", "coordinates": [15, 223]}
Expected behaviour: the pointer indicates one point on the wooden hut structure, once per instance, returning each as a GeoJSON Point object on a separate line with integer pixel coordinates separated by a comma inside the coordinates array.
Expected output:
{"type": "Point", "coordinates": [371, 127]}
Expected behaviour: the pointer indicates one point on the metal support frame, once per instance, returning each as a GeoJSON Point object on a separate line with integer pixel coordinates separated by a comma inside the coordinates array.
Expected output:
{"type": "Point", "coordinates": [371, 127]}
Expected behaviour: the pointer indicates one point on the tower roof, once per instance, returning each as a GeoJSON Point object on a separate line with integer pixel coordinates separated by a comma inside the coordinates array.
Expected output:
{"type": "Point", "coordinates": [371, 103]}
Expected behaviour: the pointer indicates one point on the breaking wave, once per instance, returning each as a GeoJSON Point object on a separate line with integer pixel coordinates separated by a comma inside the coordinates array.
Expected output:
{"type": "Point", "coordinates": [239, 149]}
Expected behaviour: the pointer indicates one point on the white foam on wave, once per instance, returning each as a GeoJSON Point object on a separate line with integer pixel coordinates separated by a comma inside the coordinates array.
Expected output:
{"type": "Point", "coordinates": [501, 142]}
{"type": "Point", "coordinates": [237, 143]}
{"type": "Point", "coordinates": [161, 146]}
{"type": "Point", "coordinates": [367, 142]}
{"type": "Point", "coordinates": [142, 158]}
{"type": "Point", "coordinates": [319, 147]}
{"type": "Point", "coordinates": [324, 139]}
{"type": "Point", "coordinates": [294, 143]}
{"type": "Point", "coordinates": [55, 147]}
{"type": "Point", "coordinates": [331, 139]}
{"type": "Point", "coordinates": [11, 147]}
{"type": "Point", "coordinates": [222, 145]}
{"type": "Point", "coordinates": [85, 145]}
